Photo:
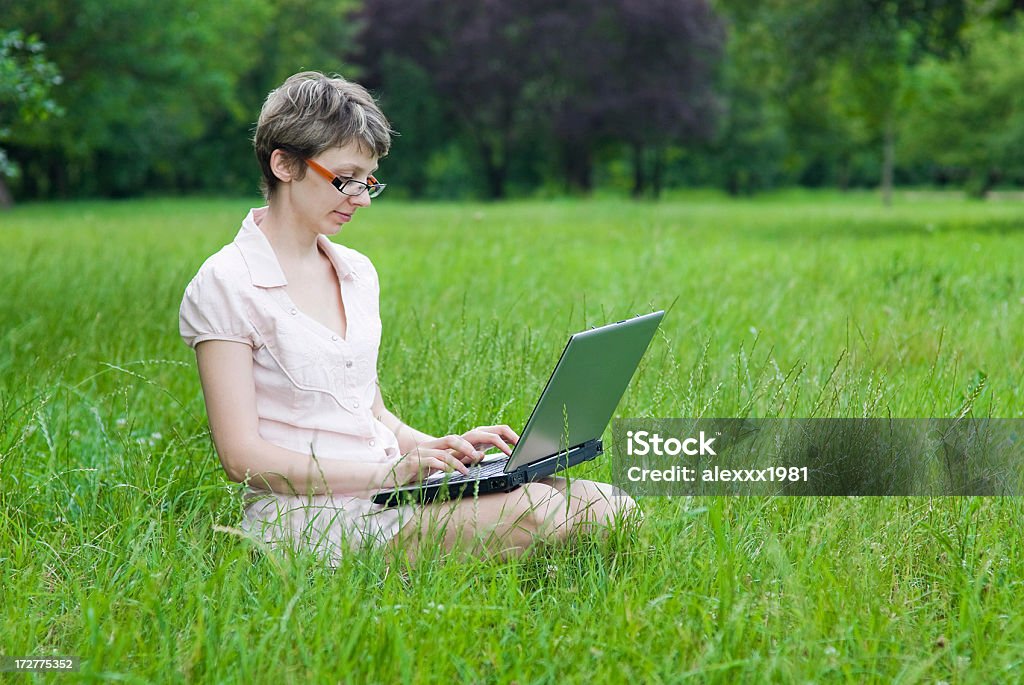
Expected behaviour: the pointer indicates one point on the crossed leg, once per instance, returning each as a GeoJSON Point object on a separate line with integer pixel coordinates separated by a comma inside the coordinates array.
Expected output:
{"type": "Point", "coordinates": [509, 524]}
{"type": "Point", "coordinates": [595, 506]}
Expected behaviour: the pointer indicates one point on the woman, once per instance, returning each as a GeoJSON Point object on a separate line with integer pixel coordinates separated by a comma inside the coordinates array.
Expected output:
{"type": "Point", "coordinates": [285, 325]}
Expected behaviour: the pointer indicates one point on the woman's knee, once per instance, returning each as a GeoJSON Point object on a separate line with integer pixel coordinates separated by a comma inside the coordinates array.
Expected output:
{"type": "Point", "coordinates": [596, 502]}
{"type": "Point", "coordinates": [542, 510]}
{"type": "Point", "coordinates": [625, 506]}
{"type": "Point", "coordinates": [620, 505]}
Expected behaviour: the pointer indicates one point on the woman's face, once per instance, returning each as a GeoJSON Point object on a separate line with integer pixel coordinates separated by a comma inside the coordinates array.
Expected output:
{"type": "Point", "coordinates": [320, 205]}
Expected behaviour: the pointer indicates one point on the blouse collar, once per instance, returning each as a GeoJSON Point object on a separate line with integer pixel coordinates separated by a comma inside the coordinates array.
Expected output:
{"type": "Point", "coordinates": [264, 267]}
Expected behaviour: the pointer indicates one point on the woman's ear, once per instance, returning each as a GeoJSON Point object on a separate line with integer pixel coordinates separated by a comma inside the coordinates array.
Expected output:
{"type": "Point", "coordinates": [282, 165]}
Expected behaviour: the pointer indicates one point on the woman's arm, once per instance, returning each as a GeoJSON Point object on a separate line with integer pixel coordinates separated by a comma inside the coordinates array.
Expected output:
{"type": "Point", "coordinates": [225, 369]}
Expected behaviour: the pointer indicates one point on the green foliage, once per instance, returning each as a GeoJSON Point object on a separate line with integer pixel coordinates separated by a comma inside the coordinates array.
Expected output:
{"type": "Point", "coordinates": [857, 53]}
{"type": "Point", "coordinates": [534, 99]}
{"type": "Point", "coordinates": [164, 94]}
{"type": "Point", "coordinates": [281, 39]}
{"type": "Point", "coordinates": [27, 79]}
{"type": "Point", "coordinates": [302, 35]}
{"type": "Point", "coordinates": [969, 114]}
{"type": "Point", "coordinates": [143, 80]}
{"type": "Point", "coordinates": [748, 152]}
{"type": "Point", "coordinates": [417, 163]}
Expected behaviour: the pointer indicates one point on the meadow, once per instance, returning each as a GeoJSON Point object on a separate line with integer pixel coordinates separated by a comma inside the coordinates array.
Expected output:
{"type": "Point", "coordinates": [116, 517]}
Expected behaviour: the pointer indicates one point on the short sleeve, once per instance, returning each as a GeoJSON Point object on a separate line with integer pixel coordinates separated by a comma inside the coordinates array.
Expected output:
{"type": "Point", "coordinates": [374, 282]}
{"type": "Point", "coordinates": [368, 272]}
{"type": "Point", "coordinates": [213, 309]}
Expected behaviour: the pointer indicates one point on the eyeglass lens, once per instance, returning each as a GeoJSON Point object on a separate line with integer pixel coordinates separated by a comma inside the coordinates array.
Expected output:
{"type": "Point", "coordinates": [355, 188]}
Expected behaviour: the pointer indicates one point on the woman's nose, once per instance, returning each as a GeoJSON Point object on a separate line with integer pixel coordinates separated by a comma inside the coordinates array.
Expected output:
{"type": "Point", "coordinates": [362, 199]}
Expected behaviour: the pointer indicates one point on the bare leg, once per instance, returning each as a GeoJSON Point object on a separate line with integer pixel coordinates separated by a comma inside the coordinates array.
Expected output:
{"type": "Point", "coordinates": [502, 525]}
{"type": "Point", "coordinates": [594, 505]}
{"type": "Point", "coordinates": [508, 524]}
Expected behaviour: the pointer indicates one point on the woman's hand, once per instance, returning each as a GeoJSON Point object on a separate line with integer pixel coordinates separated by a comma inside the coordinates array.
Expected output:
{"type": "Point", "coordinates": [483, 437]}
{"type": "Point", "coordinates": [439, 454]}
{"type": "Point", "coordinates": [452, 452]}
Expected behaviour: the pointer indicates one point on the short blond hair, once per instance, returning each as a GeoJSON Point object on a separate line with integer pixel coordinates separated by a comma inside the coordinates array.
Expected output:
{"type": "Point", "coordinates": [311, 112]}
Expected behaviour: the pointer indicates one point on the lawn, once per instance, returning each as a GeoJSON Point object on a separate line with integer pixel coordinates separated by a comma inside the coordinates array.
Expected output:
{"type": "Point", "coordinates": [115, 516]}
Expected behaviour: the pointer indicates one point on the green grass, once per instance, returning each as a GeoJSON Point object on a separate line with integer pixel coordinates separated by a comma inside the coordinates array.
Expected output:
{"type": "Point", "coordinates": [112, 501]}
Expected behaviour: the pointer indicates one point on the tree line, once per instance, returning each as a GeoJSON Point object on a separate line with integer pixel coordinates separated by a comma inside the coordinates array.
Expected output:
{"type": "Point", "coordinates": [116, 98]}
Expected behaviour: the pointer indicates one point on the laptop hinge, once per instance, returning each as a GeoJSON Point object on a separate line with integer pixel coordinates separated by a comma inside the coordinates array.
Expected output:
{"type": "Point", "coordinates": [564, 454]}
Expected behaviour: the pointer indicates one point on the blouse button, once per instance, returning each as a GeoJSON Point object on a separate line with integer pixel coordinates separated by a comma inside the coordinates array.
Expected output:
{"type": "Point", "coordinates": [348, 364]}
{"type": "Point", "coordinates": [372, 443]}
{"type": "Point", "coordinates": [334, 337]}
{"type": "Point", "coordinates": [294, 311]}
{"type": "Point", "coordinates": [355, 405]}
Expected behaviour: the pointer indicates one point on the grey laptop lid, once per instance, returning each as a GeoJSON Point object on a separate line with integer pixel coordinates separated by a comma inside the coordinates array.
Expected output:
{"type": "Point", "coordinates": [585, 387]}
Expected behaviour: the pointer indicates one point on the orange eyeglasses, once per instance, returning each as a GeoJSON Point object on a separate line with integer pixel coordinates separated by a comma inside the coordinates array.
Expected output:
{"type": "Point", "coordinates": [349, 186]}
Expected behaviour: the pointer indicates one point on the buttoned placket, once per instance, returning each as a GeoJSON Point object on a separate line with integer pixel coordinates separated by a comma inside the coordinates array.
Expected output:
{"type": "Point", "coordinates": [334, 343]}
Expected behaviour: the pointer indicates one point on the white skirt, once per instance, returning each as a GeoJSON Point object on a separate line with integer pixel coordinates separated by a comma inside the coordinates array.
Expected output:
{"type": "Point", "coordinates": [327, 525]}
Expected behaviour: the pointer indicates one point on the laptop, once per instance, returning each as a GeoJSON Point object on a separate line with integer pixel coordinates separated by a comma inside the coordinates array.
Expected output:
{"type": "Point", "coordinates": [566, 424]}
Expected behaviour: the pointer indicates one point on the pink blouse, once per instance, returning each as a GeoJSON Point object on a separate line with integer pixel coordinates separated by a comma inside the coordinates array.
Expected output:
{"type": "Point", "coordinates": [314, 389]}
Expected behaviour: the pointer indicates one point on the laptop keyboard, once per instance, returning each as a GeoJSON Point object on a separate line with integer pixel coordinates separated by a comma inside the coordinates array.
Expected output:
{"type": "Point", "coordinates": [476, 472]}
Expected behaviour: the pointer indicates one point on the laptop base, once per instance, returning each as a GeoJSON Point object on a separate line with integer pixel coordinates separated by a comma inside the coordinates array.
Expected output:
{"type": "Point", "coordinates": [425, 492]}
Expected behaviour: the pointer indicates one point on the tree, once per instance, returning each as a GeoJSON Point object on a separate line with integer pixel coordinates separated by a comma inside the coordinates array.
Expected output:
{"type": "Point", "coordinates": [280, 41]}
{"type": "Point", "coordinates": [575, 74]}
{"type": "Point", "coordinates": [968, 117]}
{"type": "Point", "coordinates": [142, 82]}
{"type": "Point", "coordinates": [638, 72]}
{"type": "Point", "coordinates": [749, 150]}
{"type": "Point", "coordinates": [26, 81]}
{"type": "Point", "coordinates": [864, 49]}
{"type": "Point", "coordinates": [476, 56]}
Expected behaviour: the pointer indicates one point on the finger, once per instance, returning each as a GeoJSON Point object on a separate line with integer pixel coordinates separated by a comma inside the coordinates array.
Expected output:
{"type": "Point", "coordinates": [508, 435]}
{"type": "Point", "coordinates": [428, 465]}
{"type": "Point", "coordinates": [444, 460]}
{"type": "Point", "coordinates": [470, 461]}
{"type": "Point", "coordinates": [459, 444]}
{"type": "Point", "coordinates": [439, 461]}
{"type": "Point", "coordinates": [453, 461]}
{"type": "Point", "coordinates": [481, 438]}
{"type": "Point", "coordinates": [431, 461]}
{"type": "Point", "coordinates": [504, 431]}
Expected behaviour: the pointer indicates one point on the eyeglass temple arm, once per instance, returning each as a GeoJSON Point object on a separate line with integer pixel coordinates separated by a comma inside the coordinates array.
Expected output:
{"type": "Point", "coordinates": [370, 179]}
{"type": "Point", "coordinates": [322, 171]}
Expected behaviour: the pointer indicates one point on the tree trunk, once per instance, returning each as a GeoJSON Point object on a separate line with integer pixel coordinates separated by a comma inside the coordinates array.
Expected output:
{"type": "Point", "coordinates": [495, 181]}
{"type": "Point", "coordinates": [417, 186]}
{"type": "Point", "coordinates": [658, 173]}
{"type": "Point", "coordinates": [639, 178]}
{"type": "Point", "coordinates": [6, 201]}
{"type": "Point", "coordinates": [58, 174]}
{"type": "Point", "coordinates": [888, 160]}
{"type": "Point", "coordinates": [494, 170]}
{"type": "Point", "coordinates": [843, 174]}
{"type": "Point", "coordinates": [579, 167]}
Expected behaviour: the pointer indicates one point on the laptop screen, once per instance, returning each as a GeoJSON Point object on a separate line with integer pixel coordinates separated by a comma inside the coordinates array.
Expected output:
{"type": "Point", "coordinates": [585, 388]}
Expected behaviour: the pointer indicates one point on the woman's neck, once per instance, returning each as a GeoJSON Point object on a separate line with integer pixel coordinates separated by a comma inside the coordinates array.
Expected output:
{"type": "Point", "coordinates": [291, 244]}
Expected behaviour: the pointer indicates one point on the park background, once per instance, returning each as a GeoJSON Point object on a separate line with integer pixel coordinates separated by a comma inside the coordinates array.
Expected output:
{"type": "Point", "coordinates": [121, 98]}
{"type": "Point", "coordinates": [826, 195]}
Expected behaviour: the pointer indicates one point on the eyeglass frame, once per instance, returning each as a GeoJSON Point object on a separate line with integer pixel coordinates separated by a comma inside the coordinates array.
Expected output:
{"type": "Point", "coordinates": [338, 182]}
